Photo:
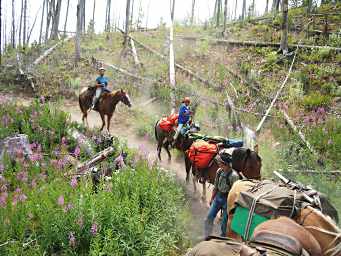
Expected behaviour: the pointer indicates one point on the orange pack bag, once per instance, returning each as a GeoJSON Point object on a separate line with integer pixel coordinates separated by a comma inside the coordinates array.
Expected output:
{"type": "Point", "coordinates": [201, 153]}
{"type": "Point", "coordinates": [167, 123]}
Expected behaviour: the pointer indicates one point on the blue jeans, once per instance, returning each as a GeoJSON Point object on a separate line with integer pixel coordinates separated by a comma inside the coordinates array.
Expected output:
{"type": "Point", "coordinates": [219, 203]}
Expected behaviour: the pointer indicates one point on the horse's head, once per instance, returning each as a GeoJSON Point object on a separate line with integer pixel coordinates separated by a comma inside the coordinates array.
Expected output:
{"type": "Point", "coordinates": [124, 97]}
{"type": "Point", "coordinates": [248, 162]}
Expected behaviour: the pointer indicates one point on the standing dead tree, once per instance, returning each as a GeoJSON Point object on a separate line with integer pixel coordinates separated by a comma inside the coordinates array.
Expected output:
{"type": "Point", "coordinates": [49, 10]}
{"type": "Point", "coordinates": [21, 21]}
{"type": "Point", "coordinates": [13, 25]}
{"type": "Point", "coordinates": [285, 27]}
{"type": "Point", "coordinates": [93, 18]}
{"type": "Point", "coordinates": [225, 16]}
{"type": "Point", "coordinates": [42, 21]}
{"type": "Point", "coordinates": [78, 32]}
{"type": "Point", "coordinates": [218, 13]}
{"type": "Point", "coordinates": [172, 59]}
{"type": "Point", "coordinates": [192, 15]}
{"type": "Point", "coordinates": [67, 14]}
{"type": "Point", "coordinates": [244, 10]}
{"type": "Point", "coordinates": [126, 40]}
{"type": "Point", "coordinates": [55, 18]}
{"type": "Point", "coordinates": [107, 16]}
{"type": "Point", "coordinates": [25, 23]}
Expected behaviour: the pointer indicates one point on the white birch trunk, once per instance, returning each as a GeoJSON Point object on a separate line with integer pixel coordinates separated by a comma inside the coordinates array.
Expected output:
{"type": "Point", "coordinates": [133, 49]}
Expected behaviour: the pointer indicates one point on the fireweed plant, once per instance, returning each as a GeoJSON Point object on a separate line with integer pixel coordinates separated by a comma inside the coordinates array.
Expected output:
{"type": "Point", "coordinates": [45, 211]}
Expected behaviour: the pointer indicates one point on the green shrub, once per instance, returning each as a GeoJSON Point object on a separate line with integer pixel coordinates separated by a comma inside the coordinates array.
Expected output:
{"type": "Point", "coordinates": [44, 210]}
{"type": "Point", "coordinates": [315, 100]}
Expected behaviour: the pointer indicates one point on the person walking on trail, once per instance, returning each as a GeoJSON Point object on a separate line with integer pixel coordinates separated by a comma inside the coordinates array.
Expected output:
{"type": "Point", "coordinates": [184, 116]}
{"type": "Point", "coordinates": [101, 85]}
{"type": "Point", "coordinates": [224, 180]}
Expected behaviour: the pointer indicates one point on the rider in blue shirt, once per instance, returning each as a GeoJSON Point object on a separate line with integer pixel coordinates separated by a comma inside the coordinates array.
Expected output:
{"type": "Point", "coordinates": [101, 84]}
{"type": "Point", "coordinates": [184, 116]}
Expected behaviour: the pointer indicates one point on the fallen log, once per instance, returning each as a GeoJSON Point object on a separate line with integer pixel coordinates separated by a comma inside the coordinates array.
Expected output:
{"type": "Point", "coordinates": [313, 172]}
{"type": "Point", "coordinates": [83, 168]}
{"type": "Point", "coordinates": [50, 50]}
{"type": "Point", "coordinates": [133, 49]}
{"type": "Point", "coordinates": [299, 133]}
{"type": "Point", "coordinates": [277, 95]}
{"type": "Point", "coordinates": [258, 43]}
{"type": "Point", "coordinates": [125, 72]}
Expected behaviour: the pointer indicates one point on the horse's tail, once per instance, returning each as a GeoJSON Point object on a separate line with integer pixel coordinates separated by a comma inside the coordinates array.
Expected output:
{"type": "Point", "coordinates": [155, 130]}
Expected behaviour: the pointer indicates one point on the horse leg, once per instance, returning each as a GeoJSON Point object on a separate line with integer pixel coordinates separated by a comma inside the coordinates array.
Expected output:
{"type": "Point", "coordinates": [103, 121]}
{"type": "Point", "coordinates": [203, 196]}
{"type": "Point", "coordinates": [159, 147]}
{"type": "Point", "coordinates": [188, 165]}
{"type": "Point", "coordinates": [195, 180]}
{"type": "Point", "coordinates": [166, 146]}
{"type": "Point", "coordinates": [108, 124]}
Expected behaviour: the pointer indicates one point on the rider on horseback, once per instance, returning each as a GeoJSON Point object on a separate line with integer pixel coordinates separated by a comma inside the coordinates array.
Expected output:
{"type": "Point", "coordinates": [224, 180]}
{"type": "Point", "coordinates": [101, 86]}
{"type": "Point", "coordinates": [184, 116]}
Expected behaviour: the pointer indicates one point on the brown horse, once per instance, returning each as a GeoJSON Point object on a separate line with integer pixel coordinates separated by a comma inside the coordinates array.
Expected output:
{"type": "Point", "coordinates": [165, 139]}
{"type": "Point", "coordinates": [105, 106]}
{"type": "Point", "coordinates": [244, 161]}
{"type": "Point", "coordinates": [293, 240]}
{"type": "Point", "coordinates": [283, 226]}
{"type": "Point", "coordinates": [318, 223]}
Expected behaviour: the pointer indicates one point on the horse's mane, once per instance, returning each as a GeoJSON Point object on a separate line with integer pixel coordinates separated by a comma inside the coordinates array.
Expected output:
{"type": "Point", "coordinates": [239, 154]}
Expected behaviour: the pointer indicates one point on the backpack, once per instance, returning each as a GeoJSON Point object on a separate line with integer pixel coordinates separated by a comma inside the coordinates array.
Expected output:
{"type": "Point", "coordinates": [167, 123]}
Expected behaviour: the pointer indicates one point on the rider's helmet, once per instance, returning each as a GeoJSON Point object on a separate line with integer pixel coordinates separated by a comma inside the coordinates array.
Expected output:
{"type": "Point", "coordinates": [187, 100]}
{"type": "Point", "coordinates": [101, 68]}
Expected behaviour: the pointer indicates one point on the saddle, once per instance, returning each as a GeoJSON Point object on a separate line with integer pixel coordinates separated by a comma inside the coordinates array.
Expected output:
{"type": "Point", "coordinates": [281, 241]}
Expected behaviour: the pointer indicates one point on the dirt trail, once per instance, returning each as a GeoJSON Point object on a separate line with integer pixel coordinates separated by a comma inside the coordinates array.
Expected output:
{"type": "Point", "coordinates": [121, 127]}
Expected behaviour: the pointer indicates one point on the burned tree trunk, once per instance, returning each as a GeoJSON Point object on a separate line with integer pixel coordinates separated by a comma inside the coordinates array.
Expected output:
{"type": "Point", "coordinates": [285, 27]}
{"type": "Point", "coordinates": [235, 9]}
{"type": "Point", "coordinates": [78, 33]}
{"type": "Point", "coordinates": [172, 60]}
{"type": "Point", "coordinates": [42, 22]}
{"type": "Point", "coordinates": [225, 16]}
{"type": "Point", "coordinates": [126, 39]}
{"type": "Point", "coordinates": [13, 25]}
{"type": "Point", "coordinates": [244, 10]}
{"type": "Point", "coordinates": [192, 15]}
{"type": "Point", "coordinates": [49, 5]}
{"type": "Point", "coordinates": [21, 21]}
{"type": "Point", "coordinates": [267, 6]}
{"type": "Point", "coordinates": [55, 19]}
{"type": "Point", "coordinates": [25, 22]}
{"type": "Point", "coordinates": [93, 17]}
{"type": "Point", "coordinates": [218, 13]}
{"type": "Point", "coordinates": [107, 16]}
{"type": "Point", "coordinates": [131, 14]}
{"type": "Point", "coordinates": [67, 14]}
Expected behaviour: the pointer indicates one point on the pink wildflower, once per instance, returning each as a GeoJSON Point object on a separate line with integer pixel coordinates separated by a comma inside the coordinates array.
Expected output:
{"type": "Point", "coordinates": [74, 182]}
{"type": "Point", "coordinates": [64, 141]}
{"type": "Point", "coordinates": [3, 199]}
{"type": "Point", "coordinates": [68, 207]}
{"type": "Point", "coordinates": [36, 157]}
{"type": "Point", "coordinates": [22, 176]}
{"type": "Point", "coordinates": [60, 201]}
{"type": "Point", "coordinates": [2, 168]}
{"type": "Point", "coordinates": [93, 229]}
{"type": "Point", "coordinates": [72, 239]}
{"type": "Point", "coordinates": [18, 196]}
{"type": "Point", "coordinates": [80, 222]}
{"type": "Point", "coordinates": [77, 151]}
{"type": "Point", "coordinates": [33, 183]}
{"type": "Point", "coordinates": [330, 142]}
